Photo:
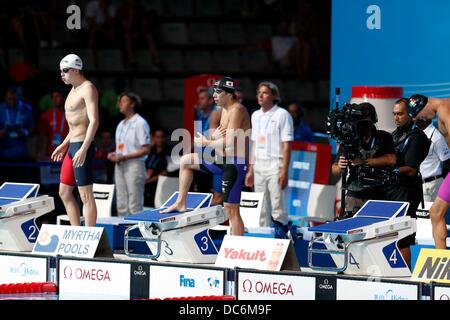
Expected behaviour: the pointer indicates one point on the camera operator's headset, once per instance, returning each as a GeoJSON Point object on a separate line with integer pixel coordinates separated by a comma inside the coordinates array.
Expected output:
{"type": "Point", "coordinates": [369, 111]}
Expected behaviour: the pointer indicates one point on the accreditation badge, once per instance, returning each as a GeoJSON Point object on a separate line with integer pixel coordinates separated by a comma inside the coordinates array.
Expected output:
{"type": "Point", "coordinates": [262, 141]}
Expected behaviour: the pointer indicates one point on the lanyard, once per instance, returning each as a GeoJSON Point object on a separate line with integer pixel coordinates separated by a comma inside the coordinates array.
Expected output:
{"type": "Point", "coordinates": [266, 143]}
{"type": "Point", "coordinates": [54, 122]}
{"type": "Point", "coordinates": [8, 117]}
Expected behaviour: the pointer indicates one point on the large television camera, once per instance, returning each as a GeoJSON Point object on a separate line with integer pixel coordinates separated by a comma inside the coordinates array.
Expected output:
{"type": "Point", "coordinates": [368, 177]}
{"type": "Point", "coordinates": [348, 126]}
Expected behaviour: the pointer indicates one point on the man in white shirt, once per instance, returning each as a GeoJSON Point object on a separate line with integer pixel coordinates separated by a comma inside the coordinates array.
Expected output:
{"type": "Point", "coordinates": [437, 163]}
{"type": "Point", "coordinates": [272, 134]}
{"type": "Point", "coordinates": [132, 148]}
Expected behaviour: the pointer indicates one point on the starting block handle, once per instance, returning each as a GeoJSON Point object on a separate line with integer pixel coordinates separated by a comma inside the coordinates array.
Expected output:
{"type": "Point", "coordinates": [311, 250]}
{"type": "Point", "coordinates": [128, 238]}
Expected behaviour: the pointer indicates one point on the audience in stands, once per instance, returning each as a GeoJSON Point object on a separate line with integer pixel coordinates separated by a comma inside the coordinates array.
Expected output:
{"type": "Point", "coordinates": [302, 132]}
{"type": "Point", "coordinates": [16, 129]}
{"type": "Point", "coordinates": [136, 26]}
{"type": "Point", "coordinates": [156, 165]}
{"type": "Point", "coordinates": [16, 126]}
{"type": "Point", "coordinates": [100, 21]}
{"type": "Point", "coordinates": [104, 170]}
{"type": "Point", "coordinates": [52, 127]}
{"type": "Point", "coordinates": [41, 15]}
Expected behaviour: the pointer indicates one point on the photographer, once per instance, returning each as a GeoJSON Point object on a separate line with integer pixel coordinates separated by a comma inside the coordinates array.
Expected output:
{"type": "Point", "coordinates": [411, 146]}
{"type": "Point", "coordinates": [374, 151]}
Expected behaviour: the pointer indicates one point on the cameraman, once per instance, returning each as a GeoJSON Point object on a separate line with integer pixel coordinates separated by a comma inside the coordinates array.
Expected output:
{"type": "Point", "coordinates": [376, 151]}
{"type": "Point", "coordinates": [411, 147]}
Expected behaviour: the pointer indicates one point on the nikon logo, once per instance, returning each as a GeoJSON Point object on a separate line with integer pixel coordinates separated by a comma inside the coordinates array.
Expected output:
{"type": "Point", "coordinates": [437, 269]}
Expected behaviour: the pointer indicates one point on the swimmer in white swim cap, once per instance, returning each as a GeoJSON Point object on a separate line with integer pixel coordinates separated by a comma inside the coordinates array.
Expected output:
{"type": "Point", "coordinates": [78, 149]}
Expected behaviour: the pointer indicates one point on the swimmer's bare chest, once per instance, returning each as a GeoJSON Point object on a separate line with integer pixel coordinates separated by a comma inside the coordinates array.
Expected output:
{"type": "Point", "coordinates": [76, 115]}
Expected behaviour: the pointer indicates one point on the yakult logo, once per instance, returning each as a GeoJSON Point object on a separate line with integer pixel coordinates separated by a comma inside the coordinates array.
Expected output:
{"type": "Point", "coordinates": [231, 253]}
{"type": "Point", "coordinates": [275, 288]}
{"type": "Point", "coordinates": [86, 274]}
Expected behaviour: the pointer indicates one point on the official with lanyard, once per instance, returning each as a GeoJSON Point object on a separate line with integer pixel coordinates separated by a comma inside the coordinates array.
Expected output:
{"type": "Point", "coordinates": [15, 128]}
{"type": "Point", "coordinates": [272, 134]}
{"type": "Point", "coordinates": [132, 148]}
{"type": "Point", "coordinates": [16, 121]}
{"type": "Point", "coordinates": [411, 146]}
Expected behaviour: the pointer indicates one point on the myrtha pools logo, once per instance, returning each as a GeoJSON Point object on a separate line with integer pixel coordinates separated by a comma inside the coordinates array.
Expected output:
{"type": "Point", "coordinates": [46, 243]}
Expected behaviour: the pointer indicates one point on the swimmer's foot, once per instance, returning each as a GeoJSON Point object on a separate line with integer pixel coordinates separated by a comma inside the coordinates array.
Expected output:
{"type": "Point", "coordinates": [175, 207]}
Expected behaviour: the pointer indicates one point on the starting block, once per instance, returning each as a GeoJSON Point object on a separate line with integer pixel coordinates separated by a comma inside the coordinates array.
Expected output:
{"type": "Point", "coordinates": [179, 236]}
{"type": "Point", "coordinates": [20, 205]}
{"type": "Point", "coordinates": [365, 244]}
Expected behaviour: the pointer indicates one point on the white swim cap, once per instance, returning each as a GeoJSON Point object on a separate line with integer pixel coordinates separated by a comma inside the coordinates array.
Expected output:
{"type": "Point", "coordinates": [71, 61]}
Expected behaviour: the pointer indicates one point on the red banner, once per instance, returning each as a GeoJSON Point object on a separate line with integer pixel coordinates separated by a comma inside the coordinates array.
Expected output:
{"type": "Point", "coordinates": [323, 160]}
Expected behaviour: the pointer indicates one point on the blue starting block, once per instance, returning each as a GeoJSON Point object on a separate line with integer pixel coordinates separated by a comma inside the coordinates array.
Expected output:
{"type": "Point", "coordinates": [178, 236]}
{"type": "Point", "coordinates": [365, 244]}
{"type": "Point", "coordinates": [20, 205]}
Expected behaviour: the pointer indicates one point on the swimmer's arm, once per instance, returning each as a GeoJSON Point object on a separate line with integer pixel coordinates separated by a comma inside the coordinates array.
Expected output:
{"type": "Point", "coordinates": [215, 120]}
{"type": "Point", "coordinates": [236, 119]}
{"type": "Point", "coordinates": [444, 127]}
{"type": "Point", "coordinates": [142, 151]}
{"type": "Point", "coordinates": [91, 101]}
{"type": "Point", "coordinates": [66, 141]}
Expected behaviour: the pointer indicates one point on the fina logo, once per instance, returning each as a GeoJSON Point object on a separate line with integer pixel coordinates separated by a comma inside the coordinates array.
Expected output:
{"type": "Point", "coordinates": [186, 282]}
{"type": "Point", "coordinates": [444, 297]}
{"type": "Point", "coordinates": [23, 270]}
{"type": "Point", "coordinates": [213, 282]}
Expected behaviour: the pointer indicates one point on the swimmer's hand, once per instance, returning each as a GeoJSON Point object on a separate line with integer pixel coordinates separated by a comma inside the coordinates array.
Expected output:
{"type": "Point", "coordinates": [200, 140]}
{"type": "Point", "coordinates": [59, 152]}
{"type": "Point", "coordinates": [219, 133]}
{"type": "Point", "coordinates": [78, 158]}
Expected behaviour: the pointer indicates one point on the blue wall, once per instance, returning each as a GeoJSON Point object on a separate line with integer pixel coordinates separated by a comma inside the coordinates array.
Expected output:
{"type": "Point", "coordinates": [411, 49]}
